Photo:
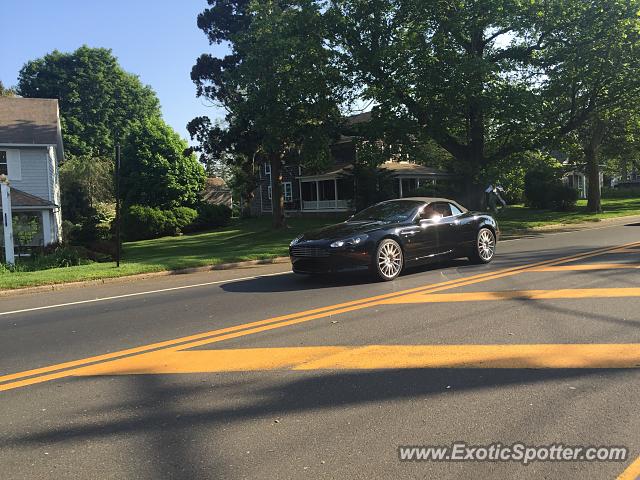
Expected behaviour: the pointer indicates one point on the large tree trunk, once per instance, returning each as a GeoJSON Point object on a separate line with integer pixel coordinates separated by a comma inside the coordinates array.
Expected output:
{"type": "Point", "coordinates": [591, 150]}
{"type": "Point", "coordinates": [277, 197]}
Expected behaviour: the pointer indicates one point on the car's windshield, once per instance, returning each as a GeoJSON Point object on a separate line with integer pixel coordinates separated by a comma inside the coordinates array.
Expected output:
{"type": "Point", "coordinates": [399, 211]}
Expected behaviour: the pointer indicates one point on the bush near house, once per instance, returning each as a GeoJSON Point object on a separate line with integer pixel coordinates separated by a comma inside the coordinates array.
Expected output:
{"type": "Point", "coordinates": [140, 222]}
{"type": "Point", "coordinates": [608, 192]}
{"type": "Point", "coordinates": [212, 216]}
{"type": "Point", "coordinates": [543, 189]}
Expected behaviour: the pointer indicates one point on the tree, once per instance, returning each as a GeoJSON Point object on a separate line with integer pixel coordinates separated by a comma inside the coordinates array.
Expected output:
{"type": "Point", "coordinates": [6, 92]}
{"type": "Point", "coordinates": [85, 182]}
{"type": "Point", "coordinates": [460, 72]}
{"type": "Point", "coordinates": [592, 78]}
{"type": "Point", "coordinates": [98, 99]}
{"type": "Point", "coordinates": [158, 169]}
{"type": "Point", "coordinates": [234, 147]}
{"type": "Point", "coordinates": [280, 81]}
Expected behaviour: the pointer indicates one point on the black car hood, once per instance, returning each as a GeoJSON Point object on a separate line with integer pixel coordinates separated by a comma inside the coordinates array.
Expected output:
{"type": "Point", "coordinates": [343, 230]}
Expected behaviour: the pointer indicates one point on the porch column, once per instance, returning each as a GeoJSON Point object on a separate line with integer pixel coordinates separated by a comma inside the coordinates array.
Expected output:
{"type": "Point", "coordinates": [317, 195]}
{"type": "Point", "coordinates": [8, 222]}
{"type": "Point", "coordinates": [46, 228]}
{"type": "Point", "coordinates": [335, 191]}
{"type": "Point", "coordinates": [400, 183]}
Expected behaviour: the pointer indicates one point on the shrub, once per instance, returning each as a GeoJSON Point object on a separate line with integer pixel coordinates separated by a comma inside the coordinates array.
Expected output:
{"type": "Point", "coordinates": [543, 189]}
{"type": "Point", "coordinates": [140, 222]}
{"type": "Point", "coordinates": [212, 216]}
{"type": "Point", "coordinates": [621, 192]}
{"type": "Point", "coordinates": [181, 218]}
{"type": "Point", "coordinates": [563, 197]}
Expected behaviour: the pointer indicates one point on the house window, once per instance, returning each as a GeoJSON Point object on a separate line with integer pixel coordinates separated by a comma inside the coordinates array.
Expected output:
{"type": "Point", "coordinates": [267, 169]}
{"type": "Point", "coordinates": [288, 191]}
{"type": "Point", "coordinates": [269, 192]}
{"type": "Point", "coordinates": [4, 167]}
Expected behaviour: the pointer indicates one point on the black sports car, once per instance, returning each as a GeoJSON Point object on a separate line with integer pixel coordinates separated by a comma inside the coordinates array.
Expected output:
{"type": "Point", "coordinates": [390, 235]}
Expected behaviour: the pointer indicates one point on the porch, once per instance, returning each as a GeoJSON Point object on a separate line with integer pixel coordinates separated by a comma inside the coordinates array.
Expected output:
{"type": "Point", "coordinates": [326, 194]}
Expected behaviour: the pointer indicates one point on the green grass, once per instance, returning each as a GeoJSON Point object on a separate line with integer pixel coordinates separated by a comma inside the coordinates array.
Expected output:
{"type": "Point", "coordinates": [253, 239]}
{"type": "Point", "coordinates": [243, 240]}
{"type": "Point", "coordinates": [518, 218]}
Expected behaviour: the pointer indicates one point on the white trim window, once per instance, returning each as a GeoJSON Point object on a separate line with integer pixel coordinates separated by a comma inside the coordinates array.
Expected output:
{"type": "Point", "coordinates": [4, 163]}
{"type": "Point", "coordinates": [267, 169]}
{"type": "Point", "coordinates": [288, 191]}
{"type": "Point", "coordinates": [269, 192]}
{"type": "Point", "coordinates": [14, 164]}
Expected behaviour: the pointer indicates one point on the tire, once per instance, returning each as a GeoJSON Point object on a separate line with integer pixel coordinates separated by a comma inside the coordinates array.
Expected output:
{"type": "Point", "coordinates": [388, 260]}
{"type": "Point", "coordinates": [485, 247]}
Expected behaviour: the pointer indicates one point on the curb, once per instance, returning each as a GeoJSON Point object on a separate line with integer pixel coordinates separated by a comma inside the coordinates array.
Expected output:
{"type": "Point", "coordinates": [141, 276]}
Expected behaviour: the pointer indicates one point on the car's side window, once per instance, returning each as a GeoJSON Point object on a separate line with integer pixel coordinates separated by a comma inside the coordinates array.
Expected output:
{"type": "Point", "coordinates": [455, 211]}
{"type": "Point", "coordinates": [442, 208]}
{"type": "Point", "coordinates": [427, 212]}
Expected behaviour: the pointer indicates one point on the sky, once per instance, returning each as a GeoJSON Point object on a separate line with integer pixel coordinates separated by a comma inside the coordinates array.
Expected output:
{"type": "Point", "coordinates": [158, 40]}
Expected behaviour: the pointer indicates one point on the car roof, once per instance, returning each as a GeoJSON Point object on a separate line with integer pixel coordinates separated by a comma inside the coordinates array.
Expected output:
{"type": "Point", "coordinates": [422, 199]}
{"type": "Point", "coordinates": [430, 200]}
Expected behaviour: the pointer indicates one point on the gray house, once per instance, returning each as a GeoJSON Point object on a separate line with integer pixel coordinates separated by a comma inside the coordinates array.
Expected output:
{"type": "Point", "coordinates": [30, 153]}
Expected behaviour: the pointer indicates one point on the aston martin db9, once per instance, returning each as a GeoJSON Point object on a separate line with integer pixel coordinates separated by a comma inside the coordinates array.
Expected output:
{"type": "Point", "coordinates": [389, 236]}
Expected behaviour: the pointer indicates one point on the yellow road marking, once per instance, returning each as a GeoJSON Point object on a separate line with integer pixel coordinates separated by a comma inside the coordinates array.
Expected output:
{"type": "Point", "coordinates": [516, 295]}
{"type": "Point", "coordinates": [632, 472]}
{"type": "Point", "coordinates": [66, 369]}
{"type": "Point", "coordinates": [374, 357]}
{"type": "Point", "coordinates": [587, 267]}
{"type": "Point", "coordinates": [627, 249]}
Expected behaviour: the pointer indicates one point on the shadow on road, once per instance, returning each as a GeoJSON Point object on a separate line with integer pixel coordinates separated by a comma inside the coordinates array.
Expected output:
{"type": "Point", "coordinates": [293, 282]}
{"type": "Point", "coordinates": [180, 420]}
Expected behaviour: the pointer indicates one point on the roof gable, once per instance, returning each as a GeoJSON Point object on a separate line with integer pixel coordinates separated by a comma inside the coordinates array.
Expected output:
{"type": "Point", "coordinates": [29, 121]}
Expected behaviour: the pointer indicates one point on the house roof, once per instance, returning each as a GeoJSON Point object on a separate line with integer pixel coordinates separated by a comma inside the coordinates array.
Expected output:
{"type": "Point", "coordinates": [22, 199]}
{"type": "Point", "coordinates": [29, 121]}
{"type": "Point", "coordinates": [396, 169]}
{"type": "Point", "coordinates": [215, 182]}
{"type": "Point", "coordinates": [359, 118]}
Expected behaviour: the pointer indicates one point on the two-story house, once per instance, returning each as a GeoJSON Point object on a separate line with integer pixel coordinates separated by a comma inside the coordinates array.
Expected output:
{"type": "Point", "coordinates": [332, 191]}
{"type": "Point", "coordinates": [31, 150]}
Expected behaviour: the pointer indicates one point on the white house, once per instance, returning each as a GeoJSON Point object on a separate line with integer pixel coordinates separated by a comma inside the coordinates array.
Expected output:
{"type": "Point", "coordinates": [31, 150]}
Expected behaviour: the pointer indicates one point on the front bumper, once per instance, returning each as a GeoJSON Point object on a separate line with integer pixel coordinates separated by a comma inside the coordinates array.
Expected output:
{"type": "Point", "coordinates": [323, 259]}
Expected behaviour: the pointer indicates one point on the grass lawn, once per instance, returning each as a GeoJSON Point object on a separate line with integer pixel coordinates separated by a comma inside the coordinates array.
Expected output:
{"type": "Point", "coordinates": [243, 240]}
{"type": "Point", "coordinates": [518, 218]}
{"type": "Point", "coordinates": [253, 239]}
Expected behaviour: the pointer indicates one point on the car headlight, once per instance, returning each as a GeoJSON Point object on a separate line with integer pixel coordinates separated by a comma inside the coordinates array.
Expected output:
{"type": "Point", "coordinates": [296, 240]}
{"type": "Point", "coordinates": [349, 242]}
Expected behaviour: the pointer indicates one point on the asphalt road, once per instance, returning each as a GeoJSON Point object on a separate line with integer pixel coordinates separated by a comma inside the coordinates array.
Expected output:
{"type": "Point", "coordinates": [258, 373]}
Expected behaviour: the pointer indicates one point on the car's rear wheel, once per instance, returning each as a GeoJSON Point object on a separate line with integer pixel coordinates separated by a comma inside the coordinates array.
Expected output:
{"type": "Point", "coordinates": [485, 247]}
{"type": "Point", "coordinates": [388, 261]}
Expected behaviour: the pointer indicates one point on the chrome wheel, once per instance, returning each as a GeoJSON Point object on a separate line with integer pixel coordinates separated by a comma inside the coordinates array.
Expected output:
{"type": "Point", "coordinates": [389, 260]}
{"type": "Point", "coordinates": [486, 245]}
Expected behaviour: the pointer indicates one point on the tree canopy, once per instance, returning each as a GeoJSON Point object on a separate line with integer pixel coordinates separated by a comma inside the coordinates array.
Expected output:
{"type": "Point", "coordinates": [98, 99]}
{"type": "Point", "coordinates": [158, 169]}
{"type": "Point", "coordinates": [280, 83]}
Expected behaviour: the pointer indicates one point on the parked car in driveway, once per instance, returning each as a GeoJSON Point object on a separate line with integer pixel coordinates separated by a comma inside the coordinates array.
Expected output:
{"type": "Point", "coordinates": [391, 235]}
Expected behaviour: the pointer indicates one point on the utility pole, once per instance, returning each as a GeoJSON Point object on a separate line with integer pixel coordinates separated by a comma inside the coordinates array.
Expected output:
{"type": "Point", "coordinates": [5, 192]}
{"type": "Point", "coordinates": [117, 205]}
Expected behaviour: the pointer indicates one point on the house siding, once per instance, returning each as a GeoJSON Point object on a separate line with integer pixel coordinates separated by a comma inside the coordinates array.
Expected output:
{"type": "Point", "coordinates": [34, 165]}
{"type": "Point", "coordinates": [262, 203]}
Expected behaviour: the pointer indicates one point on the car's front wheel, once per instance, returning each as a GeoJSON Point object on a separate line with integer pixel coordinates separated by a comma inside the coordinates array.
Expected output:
{"type": "Point", "coordinates": [485, 247]}
{"type": "Point", "coordinates": [388, 261]}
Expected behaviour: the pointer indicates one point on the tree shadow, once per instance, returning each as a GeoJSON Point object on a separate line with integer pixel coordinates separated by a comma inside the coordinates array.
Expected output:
{"type": "Point", "coordinates": [155, 407]}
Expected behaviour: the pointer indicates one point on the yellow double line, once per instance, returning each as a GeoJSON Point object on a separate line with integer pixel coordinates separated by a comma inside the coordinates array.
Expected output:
{"type": "Point", "coordinates": [67, 369]}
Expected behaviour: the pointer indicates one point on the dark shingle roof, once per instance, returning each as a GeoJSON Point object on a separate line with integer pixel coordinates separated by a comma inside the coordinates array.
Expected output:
{"type": "Point", "coordinates": [29, 121]}
{"type": "Point", "coordinates": [23, 199]}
